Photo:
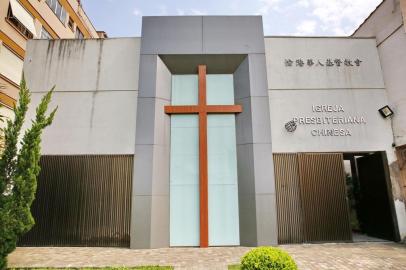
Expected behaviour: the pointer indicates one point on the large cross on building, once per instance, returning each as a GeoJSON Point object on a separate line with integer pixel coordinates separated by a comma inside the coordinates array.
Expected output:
{"type": "Point", "coordinates": [202, 109]}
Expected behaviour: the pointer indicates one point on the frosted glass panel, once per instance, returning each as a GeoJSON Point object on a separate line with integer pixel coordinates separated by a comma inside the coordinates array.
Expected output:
{"type": "Point", "coordinates": [185, 90]}
{"type": "Point", "coordinates": [184, 181]}
{"type": "Point", "coordinates": [222, 165]}
{"type": "Point", "coordinates": [220, 89]}
{"type": "Point", "coordinates": [223, 189]}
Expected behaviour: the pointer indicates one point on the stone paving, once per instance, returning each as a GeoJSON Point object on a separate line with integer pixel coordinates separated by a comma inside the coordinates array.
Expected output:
{"type": "Point", "coordinates": [350, 256]}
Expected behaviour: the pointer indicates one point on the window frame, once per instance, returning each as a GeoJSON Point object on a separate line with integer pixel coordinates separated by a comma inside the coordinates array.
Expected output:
{"type": "Point", "coordinates": [79, 34]}
{"type": "Point", "coordinates": [45, 34]}
{"type": "Point", "coordinates": [58, 10]}
{"type": "Point", "coordinates": [13, 21]}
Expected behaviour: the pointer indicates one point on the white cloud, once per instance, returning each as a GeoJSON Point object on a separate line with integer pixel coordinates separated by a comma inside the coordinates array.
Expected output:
{"type": "Point", "coordinates": [191, 11]}
{"type": "Point", "coordinates": [163, 10]}
{"type": "Point", "coordinates": [342, 16]}
{"type": "Point", "coordinates": [303, 3]}
{"type": "Point", "coordinates": [180, 12]}
{"type": "Point", "coordinates": [137, 12]}
{"type": "Point", "coordinates": [197, 12]}
{"type": "Point", "coordinates": [268, 5]}
{"type": "Point", "coordinates": [306, 27]}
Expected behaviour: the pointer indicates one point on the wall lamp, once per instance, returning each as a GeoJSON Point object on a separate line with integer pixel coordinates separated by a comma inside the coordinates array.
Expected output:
{"type": "Point", "coordinates": [386, 111]}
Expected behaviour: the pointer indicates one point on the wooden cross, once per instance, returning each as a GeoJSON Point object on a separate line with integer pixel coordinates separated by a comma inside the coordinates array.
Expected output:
{"type": "Point", "coordinates": [203, 109]}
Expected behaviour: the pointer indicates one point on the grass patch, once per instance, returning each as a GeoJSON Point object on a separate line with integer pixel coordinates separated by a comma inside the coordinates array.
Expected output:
{"type": "Point", "coordinates": [102, 268]}
{"type": "Point", "coordinates": [234, 267]}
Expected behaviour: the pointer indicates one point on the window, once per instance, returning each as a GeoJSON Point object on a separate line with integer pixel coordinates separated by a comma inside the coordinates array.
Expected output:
{"type": "Point", "coordinates": [58, 9]}
{"type": "Point", "coordinates": [21, 19]}
{"type": "Point", "coordinates": [11, 66]}
{"type": "Point", "coordinates": [78, 34]}
{"type": "Point", "coordinates": [71, 23]}
{"type": "Point", "coordinates": [45, 34]}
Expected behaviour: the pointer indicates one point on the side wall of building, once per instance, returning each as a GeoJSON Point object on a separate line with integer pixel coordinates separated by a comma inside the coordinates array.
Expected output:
{"type": "Point", "coordinates": [387, 24]}
{"type": "Point", "coordinates": [13, 42]}
{"type": "Point", "coordinates": [96, 89]}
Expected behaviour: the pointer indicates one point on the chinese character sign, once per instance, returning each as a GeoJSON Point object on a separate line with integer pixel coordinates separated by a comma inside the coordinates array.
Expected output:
{"type": "Point", "coordinates": [329, 62]}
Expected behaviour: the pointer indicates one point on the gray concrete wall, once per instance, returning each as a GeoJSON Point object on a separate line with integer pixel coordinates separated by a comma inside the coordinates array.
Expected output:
{"type": "Point", "coordinates": [196, 35]}
{"type": "Point", "coordinates": [150, 197]}
{"type": "Point", "coordinates": [96, 93]}
{"type": "Point", "coordinates": [386, 23]}
{"type": "Point", "coordinates": [360, 90]}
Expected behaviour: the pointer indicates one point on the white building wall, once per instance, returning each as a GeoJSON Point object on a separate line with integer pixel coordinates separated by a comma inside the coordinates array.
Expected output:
{"type": "Point", "coordinates": [352, 91]}
{"type": "Point", "coordinates": [96, 93]}
{"type": "Point", "coordinates": [386, 23]}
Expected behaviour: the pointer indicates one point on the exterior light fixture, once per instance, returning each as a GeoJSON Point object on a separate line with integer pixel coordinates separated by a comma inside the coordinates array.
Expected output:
{"type": "Point", "coordinates": [386, 111]}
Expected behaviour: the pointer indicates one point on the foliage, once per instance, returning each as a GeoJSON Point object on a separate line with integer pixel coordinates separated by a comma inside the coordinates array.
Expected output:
{"type": "Point", "coordinates": [267, 258]}
{"type": "Point", "coordinates": [103, 268]}
{"type": "Point", "coordinates": [19, 169]}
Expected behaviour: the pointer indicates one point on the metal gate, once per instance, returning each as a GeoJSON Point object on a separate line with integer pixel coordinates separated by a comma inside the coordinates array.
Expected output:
{"type": "Point", "coordinates": [82, 201]}
{"type": "Point", "coordinates": [311, 197]}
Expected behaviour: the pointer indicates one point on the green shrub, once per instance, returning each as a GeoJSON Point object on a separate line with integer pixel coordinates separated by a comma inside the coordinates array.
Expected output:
{"type": "Point", "coordinates": [19, 169]}
{"type": "Point", "coordinates": [267, 258]}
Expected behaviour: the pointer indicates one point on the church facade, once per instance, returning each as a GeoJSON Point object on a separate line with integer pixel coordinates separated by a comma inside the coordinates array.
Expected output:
{"type": "Point", "coordinates": [203, 132]}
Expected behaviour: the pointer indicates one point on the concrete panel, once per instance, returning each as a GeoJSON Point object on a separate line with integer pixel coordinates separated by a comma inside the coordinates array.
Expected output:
{"type": "Point", "coordinates": [248, 222]}
{"type": "Point", "coordinates": [245, 169]}
{"type": "Point", "coordinates": [261, 126]}
{"type": "Point", "coordinates": [160, 177]}
{"type": "Point", "coordinates": [82, 65]}
{"type": "Point", "coordinates": [232, 34]}
{"type": "Point", "coordinates": [392, 54]}
{"type": "Point", "coordinates": [375, 134]}
{"type": "Point", "coordinates": [163, 80]}
{"type": "Point", "coordinates": [160, 221]}
{"type": "Point", "coordinates": [258, 79]}
{"type": "Point", "coordinates": [216, 63]}
{"type": "Point", "coordinates": [267, 229]}
{"type": "Point", "coordinates": [244, 122]}
{"type": "Point", "coordinates": [242, 80]}
{"type": "Point", "coordinates": [120, 59]}
{"type": "Point", "coordinates": [143, 169]}
{"type": "Point", "coordinates": [172, 35]}
{"type": "Point", "coordinates": [145, 121]}
{"type": "Point", "coordinates": [398, 121]}
{"type": "Point", "coordinates": [148, 69]}
{"type": "Point", "coordinates": [89, 123]}
{"type": "Point", "coordinates": [383, 16]}
{"type": "Point", "coordinates": [140, 221]}
{"type": "Point", "coordinates": [264, 171]}
{"type": "Point", "coordinates": [367, 75]}
{"type": "Point", "coordinates": [162, 123]}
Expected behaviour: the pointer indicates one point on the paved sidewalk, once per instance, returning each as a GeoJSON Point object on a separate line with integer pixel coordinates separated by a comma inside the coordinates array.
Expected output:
{"type": "Point", "coordinates": [353, 256]}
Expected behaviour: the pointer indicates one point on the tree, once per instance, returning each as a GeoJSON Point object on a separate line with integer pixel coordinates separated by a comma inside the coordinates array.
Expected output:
{"type": "Point", "coordinates": [19, 169]}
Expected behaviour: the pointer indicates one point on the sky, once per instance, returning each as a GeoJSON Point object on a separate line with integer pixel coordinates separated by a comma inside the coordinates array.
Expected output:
{"type": "Point", "coordinates": [122, 18]}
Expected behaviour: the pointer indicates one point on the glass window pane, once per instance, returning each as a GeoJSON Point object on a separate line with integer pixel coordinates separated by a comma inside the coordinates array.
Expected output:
{"type": "Point", "coordinates": [184, 181]}
{"type": "Point", "coordinates": [53, 5]}
{"type": "Point", "coordinates": [223, 187]}
{"type": "Point", "coordinates": [220, 89]}
{"type": "Point", "coordinates": [58, 9]}
{"type": "Point", "coordinates": [63, 15]}
{"type": "Point", "coordinates": [184, 90]}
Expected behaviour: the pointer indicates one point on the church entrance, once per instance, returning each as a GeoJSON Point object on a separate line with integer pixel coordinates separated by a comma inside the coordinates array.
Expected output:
{"type": "Point", "coordinates": [334, 197]}
{"type": "Point", "coordinates": [372, 212]}
{"type": "Point", "coordinates": [203, 161]}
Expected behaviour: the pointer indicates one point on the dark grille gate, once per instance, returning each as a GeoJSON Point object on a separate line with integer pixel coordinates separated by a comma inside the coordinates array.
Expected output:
{"type": "Point", "coordinates": [82, 201]}
{"type": "Point", "coordinates": [311, 197]}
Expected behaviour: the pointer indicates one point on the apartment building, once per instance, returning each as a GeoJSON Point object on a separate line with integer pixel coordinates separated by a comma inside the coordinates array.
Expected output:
{"type": "Point", "coordinates": [21, 20]}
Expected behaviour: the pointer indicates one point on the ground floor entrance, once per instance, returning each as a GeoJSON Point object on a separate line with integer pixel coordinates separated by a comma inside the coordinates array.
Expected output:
{"type": "Point", "coordinates": [329, 197]}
